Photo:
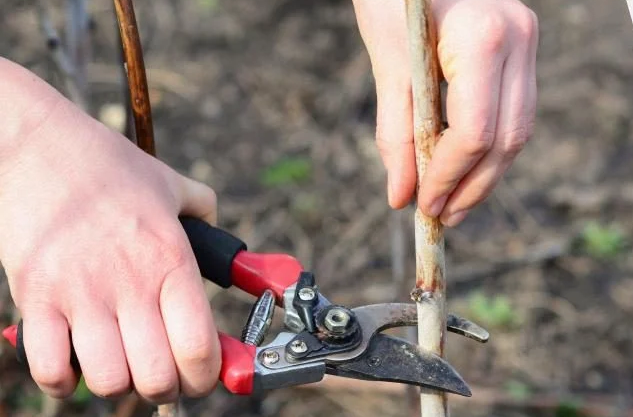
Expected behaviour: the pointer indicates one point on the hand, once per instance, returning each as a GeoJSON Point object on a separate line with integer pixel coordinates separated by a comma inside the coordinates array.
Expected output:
{"type": "Point", "coordinates": [91, 244]}
{"type": "Point", "coordinates": [487, 53]}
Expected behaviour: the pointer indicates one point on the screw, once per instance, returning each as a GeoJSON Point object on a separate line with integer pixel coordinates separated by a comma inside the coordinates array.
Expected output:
{"type": "Point", "coordinates": [298, 346]}
{"type": "Point", "coordinates": [270, 357]}
{"type": "Point", "coordinates": [307, 294]}
{"type": "Point", "coordinates": [336, 320]}
{"type": "Point", "coordinates": [373, 361]}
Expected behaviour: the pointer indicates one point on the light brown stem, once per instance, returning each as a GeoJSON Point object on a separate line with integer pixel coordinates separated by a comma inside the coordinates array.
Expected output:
{"type": "Point", "coordinates": [430, 285]}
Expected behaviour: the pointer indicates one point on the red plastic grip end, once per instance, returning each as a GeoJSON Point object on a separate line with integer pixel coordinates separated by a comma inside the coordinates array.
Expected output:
{"type": "Point", "coordinates": [238, 365]}
{"type": "Point", "coordinates": [11, 334]}
{"type": "Point", "coordinates": [257, 272]}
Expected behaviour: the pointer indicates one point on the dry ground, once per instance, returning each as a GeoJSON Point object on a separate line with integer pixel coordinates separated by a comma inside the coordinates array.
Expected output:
{"type": "Point", "coordinates": [239, 86]}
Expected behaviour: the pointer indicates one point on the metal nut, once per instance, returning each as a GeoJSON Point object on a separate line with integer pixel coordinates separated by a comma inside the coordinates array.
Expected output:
{"type": "Point", "coordinates": [336, 320]}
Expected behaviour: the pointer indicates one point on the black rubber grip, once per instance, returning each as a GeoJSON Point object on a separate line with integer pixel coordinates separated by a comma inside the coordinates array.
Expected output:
{"type": "Point", "coordinates": [214, 249]}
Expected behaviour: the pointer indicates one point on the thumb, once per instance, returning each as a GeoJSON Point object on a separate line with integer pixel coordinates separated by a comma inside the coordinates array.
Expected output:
{"type": "Point", "coordinates": [199, 200]}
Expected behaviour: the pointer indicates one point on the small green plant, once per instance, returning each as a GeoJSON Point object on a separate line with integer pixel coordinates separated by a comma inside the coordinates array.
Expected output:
{"type": "Point", "coordinates": [603, 242]}
{"type": "Point", "coordinates": [518, 390]}
{"type": "Point", "coordinates": [30, 401]}
{"type": "Point", "coordinates": [287, 171]}
{"type": "Point", "coordinates": [495, 312]}
{"type": "Point", "coordinates": [82, 394]}
{"type": "Point", "coordinates": [570, 409]}
{"type": "Point", "coordinates": [209, 4]}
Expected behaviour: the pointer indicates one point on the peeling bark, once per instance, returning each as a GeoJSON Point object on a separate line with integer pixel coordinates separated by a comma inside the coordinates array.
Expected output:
{"type": "Point", "coordinates": [430, 284]}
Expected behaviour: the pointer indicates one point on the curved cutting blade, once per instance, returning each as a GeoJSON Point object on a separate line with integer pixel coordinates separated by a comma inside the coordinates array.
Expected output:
{"type": "Point", "coordinates": [396, 360]}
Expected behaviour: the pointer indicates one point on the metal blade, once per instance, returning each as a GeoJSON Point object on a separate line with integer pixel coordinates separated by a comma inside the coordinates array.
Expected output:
{"type": "Point", "coordinates": [377, 317]}
{"type": "Point", "coordinates": [466, 328]}
{"type": "Point", "coordinates": [396, 360]}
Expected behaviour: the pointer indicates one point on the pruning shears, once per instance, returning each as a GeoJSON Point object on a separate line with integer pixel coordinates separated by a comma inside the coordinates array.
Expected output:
{"type": "Point", "coordinates": [318, 338]}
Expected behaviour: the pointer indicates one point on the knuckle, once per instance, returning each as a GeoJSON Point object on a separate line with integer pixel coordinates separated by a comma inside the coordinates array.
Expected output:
{"type": "Point", "coordinates": [478, 141]}
{"type": "Point", "coordinates": [203, 386]}
{"type": "Point", "coordinates": [109, 384]}
{"type": "Point", "coordinates": [516, 139]}
{"type": "Point", "coordinates": [213, 198]}
{"type": "Point", "coordinates": [527, 23]}
{"type": "Point", "coordinates": [197, 351]}
{"type": "Point", "coordinates": [53, 377]}
{"type": "Point", "coordinates": [173, 249]}
{"type": "Point", "coordinates": [490, 37]}
{"type": "Point", "coordinates": [158, 387]}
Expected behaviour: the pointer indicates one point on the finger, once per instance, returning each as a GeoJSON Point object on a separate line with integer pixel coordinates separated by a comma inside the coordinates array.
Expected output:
{"type": "Point", "coordinates": [472, 104]}
{"type": "Point", "coordinates": [199, 200]}
{"type": "Point", "coordinates": [513, 129]}
{"type": "Point", "coordinates": [191, 332]}
{"type": "Point", "coordinates": [47, 346]}
{"type": "Point", "coordinates": [97, 342]}
{"type": "Point", "coordinates": [148, 351]}
{"type": "Point", "coordinates": [394, 138]}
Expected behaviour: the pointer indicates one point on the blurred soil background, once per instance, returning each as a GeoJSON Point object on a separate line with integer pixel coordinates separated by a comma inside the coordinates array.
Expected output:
{"type": "Point", "coordinates": [272, 103]}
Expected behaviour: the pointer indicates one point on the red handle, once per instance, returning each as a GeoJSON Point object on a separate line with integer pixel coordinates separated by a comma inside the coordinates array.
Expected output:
{"type": "Point", "coordinates": [238, 365]}
{"type": "Point", "coordinates": [257, 272]}
{"type": "Point", "coordinates": [11, 334]}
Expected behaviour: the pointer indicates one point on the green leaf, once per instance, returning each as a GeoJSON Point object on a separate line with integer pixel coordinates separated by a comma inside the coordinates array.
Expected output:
{"type": "Point", "coordinates": [496, 312]}
{"type": "Point", "coordinates": [603, 242]}
{"type": "Point", "coordinates": [518, 390]}
{"type": "Point", "coordinates": [30, 401]}
{"type": "Point", "coordinates": [569, 409]}
{"type": "Point", "coordinates": [287, 171]}
{"type": "Point", "coordinates": [82, 394]}
{"type": "Point", "coordinates": [209, 4]}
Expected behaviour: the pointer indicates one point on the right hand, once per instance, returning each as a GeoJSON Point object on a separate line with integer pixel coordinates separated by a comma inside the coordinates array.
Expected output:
{"type": "Point", "coordinates": [93, 249]}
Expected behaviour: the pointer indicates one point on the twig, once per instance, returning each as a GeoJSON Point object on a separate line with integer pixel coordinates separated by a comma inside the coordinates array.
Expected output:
{"type": "Point", "coordinates": [65, 65]}
{"type": "Point", "coordinates": [430, 285]}
{"type": "Point", "coordinates": [78, 44]}
{"type": "Point", "coordinates": [137, 79]}
{"type": "Point", "coordinates": [167, 410]}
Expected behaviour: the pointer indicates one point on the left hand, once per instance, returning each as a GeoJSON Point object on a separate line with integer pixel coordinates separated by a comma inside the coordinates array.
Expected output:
{"type": "Point", "coordinates": [487, 54]}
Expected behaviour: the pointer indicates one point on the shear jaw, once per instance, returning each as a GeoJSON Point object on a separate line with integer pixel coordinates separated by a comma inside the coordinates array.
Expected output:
{"type": "Point", "coordinates": [375, 357]}
{"type": "Point", "coordinates": [454, 323]}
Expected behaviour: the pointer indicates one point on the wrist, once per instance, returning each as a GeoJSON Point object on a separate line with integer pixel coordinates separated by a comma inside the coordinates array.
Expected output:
{"type": "Point", "coordinates": [26, 102]}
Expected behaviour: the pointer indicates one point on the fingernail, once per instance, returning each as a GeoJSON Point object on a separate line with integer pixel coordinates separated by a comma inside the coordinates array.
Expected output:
{"type": "Point", "coordinates": [437, 206]}
{"type": "Point", "coordinates": [455, 218]}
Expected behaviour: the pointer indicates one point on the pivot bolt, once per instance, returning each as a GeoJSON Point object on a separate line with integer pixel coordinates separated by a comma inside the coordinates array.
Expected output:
{"type": "Point", "coordinates": [298, 346]}
{"type": "Point", "coordinates": [270, 357]}
{"type": "Point", "coordinates": [336, 320]}
{"type": "Point", "coordinates": [307, 294]}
